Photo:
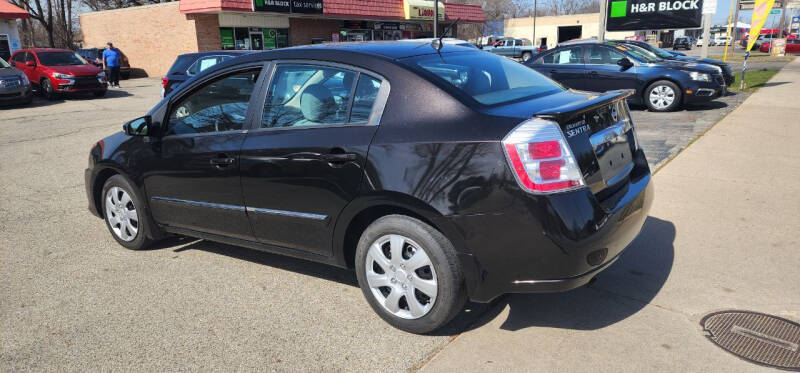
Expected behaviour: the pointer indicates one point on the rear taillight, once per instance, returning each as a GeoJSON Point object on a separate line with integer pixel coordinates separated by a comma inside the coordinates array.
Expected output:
{"type": "Point", "coordinates": [541, 158]}
{"type": "Point", "coordinates": [164, 82]}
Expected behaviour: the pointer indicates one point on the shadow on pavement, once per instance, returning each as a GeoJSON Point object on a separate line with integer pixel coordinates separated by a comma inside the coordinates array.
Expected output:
{"type": "Point", "coordinates": [619, 292]}
{"type": "Point", "coordinates": [711, 105]}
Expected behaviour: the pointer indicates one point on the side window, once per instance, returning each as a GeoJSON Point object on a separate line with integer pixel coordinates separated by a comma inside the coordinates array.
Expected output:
{"type": "Point", "coordinates": [219, 105]}
{"type": "Point", "coordinates": [366, 93]}
{"type": "Point", "coordinates": [204, 63]}
{"type": "Point", "coordinates": [305, 95]}
{"type": "Point", "coordinates": [19, 57]}
{"type": "Point", "coordinates": [607, 56]}
{"type": "Point", "coordinates": [565, 56]}
{"type": "Point", "coordinates": [29, 57]}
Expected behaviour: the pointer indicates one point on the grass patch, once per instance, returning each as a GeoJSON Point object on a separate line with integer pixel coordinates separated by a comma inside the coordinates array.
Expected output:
{"type": "Point", "coordinates": [754, 57]}
{"type": "Point", "coordinates": [753, 80]}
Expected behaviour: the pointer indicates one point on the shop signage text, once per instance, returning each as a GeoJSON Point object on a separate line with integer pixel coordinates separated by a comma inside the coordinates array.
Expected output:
{"type": "Point", "coordinates": [288, 6]}
{"type": "Point", "coordinates": [421, 9]}
{"type": "Point", "coordinates": [633, 15]}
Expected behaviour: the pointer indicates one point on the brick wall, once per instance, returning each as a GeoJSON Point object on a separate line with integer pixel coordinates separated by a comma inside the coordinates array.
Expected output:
{"type": "Point", "coordinates": [301, 30]}
{"type": "Point", "coordinates": [151, 36]}
{"type": "Point", "coordinates": [207, 29]}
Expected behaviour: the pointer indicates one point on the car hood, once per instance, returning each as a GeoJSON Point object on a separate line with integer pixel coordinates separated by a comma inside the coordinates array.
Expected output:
{"type": "Point", "coordinates": [687, 66]}
{"type": "Point", "coordinates": [6, 72]}
{"type": "Point", "coordinates": [709, 61]}
{"type": "Point", "coordinates": [77, 70]}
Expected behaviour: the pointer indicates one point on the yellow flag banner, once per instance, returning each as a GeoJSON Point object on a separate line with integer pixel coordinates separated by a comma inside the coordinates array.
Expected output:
{"type": "Point", "coordinates": [760, 13]}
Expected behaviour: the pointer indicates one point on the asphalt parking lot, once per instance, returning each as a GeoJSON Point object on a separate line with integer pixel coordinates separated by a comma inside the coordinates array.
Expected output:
{"type": "Point", "coordinates": [72, 299]}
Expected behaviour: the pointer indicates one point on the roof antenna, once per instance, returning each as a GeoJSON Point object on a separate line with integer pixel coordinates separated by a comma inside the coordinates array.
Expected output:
{"type": "Point", "coordinates": [438, 43]}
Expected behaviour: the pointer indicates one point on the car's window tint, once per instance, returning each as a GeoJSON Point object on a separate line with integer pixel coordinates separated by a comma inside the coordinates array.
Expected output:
{"type": "Point", "coordinates": [366, 93]}
{"type": "Point", "coordinates": [220, 105]}
{"type": "Point", "coordinates": [486, 77]}
{"type": "Point", "coordinates": [305, 95]}
{"type": "Point", "coordinates": [204, 63]}
{"type": "Point", "coordinates": [30, 57]}
{"type": "Point", "coordinates": [599, 56]}
{"type": "Point", "coordinates": [19, 57]}
{"type": "Point", "coordinates": [567, 56]}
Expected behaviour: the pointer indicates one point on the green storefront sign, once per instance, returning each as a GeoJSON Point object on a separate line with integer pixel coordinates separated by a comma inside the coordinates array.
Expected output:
{"type": "Point", "coordinates": [226, 36]}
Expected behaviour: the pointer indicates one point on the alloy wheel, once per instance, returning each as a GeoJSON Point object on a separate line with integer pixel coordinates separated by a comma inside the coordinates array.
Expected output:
{"type": "Point", "coordinates": [121, 214]}
{"type": "Point", "coordinates": [662, 96]}
{"type": "Point", "coordinates": [401, 277]}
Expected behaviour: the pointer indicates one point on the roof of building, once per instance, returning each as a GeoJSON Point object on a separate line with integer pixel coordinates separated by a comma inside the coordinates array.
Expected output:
{"type": "Point", "coordinates": [362, 9]}
{"type": "Point", "coordinates": [11, 11]}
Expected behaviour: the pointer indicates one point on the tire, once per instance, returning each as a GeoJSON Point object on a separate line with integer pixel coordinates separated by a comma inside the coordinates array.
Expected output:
{"type": "Point", "coordinates": [118, 217]}
{"type": "Point", "coordinates": [47, 90]}
{"type": "Point", "coordinates": [439, 274]}
{"type": "Point", "coordinates": [99, 93]}
{"type": "Point", "coordinates": [526, 56]}
{"type": "Point", "coordinates": [662, 96]}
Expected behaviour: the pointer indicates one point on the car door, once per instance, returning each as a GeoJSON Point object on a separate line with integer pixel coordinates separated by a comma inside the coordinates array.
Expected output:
{"type": "Point", "coordinates": [193, 178]}
{"type": "Point", "coordinates": [305, 161]}
{"type": "Point", "coordinates": [566, 66]}
{"type": "Point", "coordinates": [604, 74]}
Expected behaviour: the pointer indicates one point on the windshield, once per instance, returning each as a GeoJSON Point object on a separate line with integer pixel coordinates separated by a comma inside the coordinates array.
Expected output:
{"type": "Point", "coordinates": [655, 50]}
{"type": "Point", "coordinates": [486, 77]}
{"type": "Point", "coordinates": [60, 59]}
{"type": "Point", "coordinates": [3, 63]}
{"type": "Point", "coordinates": [639, 53]}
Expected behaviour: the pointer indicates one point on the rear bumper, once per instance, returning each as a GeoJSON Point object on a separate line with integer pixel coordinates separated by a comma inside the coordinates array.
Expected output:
{"type": "Point", "coordinates": [554, 242]}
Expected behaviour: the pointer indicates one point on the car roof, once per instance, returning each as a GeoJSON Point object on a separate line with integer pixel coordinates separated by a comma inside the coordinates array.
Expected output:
{"type": "Point", "coordinates": [219, 52]}
{"type": "Point", "coordinates": [41, 50]}
{"type": "Point", "coordinates": [386, 49]}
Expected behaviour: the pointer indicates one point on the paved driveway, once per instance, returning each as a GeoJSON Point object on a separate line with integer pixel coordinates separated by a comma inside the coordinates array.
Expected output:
{"type": "Point", "coordinates": [72, 299]}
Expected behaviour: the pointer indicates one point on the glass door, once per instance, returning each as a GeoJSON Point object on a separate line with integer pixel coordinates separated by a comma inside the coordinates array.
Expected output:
{"type": "Point", "coordinates": [256, 40]}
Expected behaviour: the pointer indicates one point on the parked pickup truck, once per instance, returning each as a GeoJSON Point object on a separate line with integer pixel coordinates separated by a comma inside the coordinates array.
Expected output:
{"type": "Point", "coordinates": [514, 48]}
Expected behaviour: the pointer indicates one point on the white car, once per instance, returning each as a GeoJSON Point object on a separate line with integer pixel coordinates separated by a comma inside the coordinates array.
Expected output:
{"type": "Point", "coordinates": [721, 40]}
{"type": "Point", "coordinates": [699, 42]}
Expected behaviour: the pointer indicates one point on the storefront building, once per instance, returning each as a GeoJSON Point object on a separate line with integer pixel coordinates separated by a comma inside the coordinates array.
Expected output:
{"type": "Point", "coordinates": [9, 30]}
{"type": "Point", "coordinates": [150, 35]}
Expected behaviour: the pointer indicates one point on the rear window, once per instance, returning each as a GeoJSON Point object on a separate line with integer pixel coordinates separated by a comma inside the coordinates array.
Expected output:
{"type": "Point", "coordinates": [182, 64]}
{"type": "Point", "coordinates": [487, 78]}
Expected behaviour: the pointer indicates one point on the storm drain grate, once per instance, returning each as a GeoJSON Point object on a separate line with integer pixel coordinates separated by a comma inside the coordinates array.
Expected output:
{"type": "Point", "coordinates": [756, 337]}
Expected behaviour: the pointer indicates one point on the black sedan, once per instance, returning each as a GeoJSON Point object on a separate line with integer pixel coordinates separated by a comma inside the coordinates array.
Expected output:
{"type": "Point", "coordinates": [438, 175]}
{"type": "Point", "coordinates": [727, 71]}
{"type": "Point", "coordinates": [662, 85]}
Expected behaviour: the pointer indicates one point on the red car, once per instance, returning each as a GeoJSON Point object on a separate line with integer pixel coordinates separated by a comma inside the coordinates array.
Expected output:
{"type": "Point", "coordinates": [56, 71]}
{"type": "Point", "coordinates": [792, 46]}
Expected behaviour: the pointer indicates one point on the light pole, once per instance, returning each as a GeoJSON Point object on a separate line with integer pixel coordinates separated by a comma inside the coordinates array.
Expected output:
{"type": "Point", "coordinates": [533, 41]}
{"type": "Point", "coordinates": [435, 17]}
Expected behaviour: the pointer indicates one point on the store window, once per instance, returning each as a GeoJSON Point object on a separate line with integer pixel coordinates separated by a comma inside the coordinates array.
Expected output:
{"type": "Point", "coordinates": [253, 38]}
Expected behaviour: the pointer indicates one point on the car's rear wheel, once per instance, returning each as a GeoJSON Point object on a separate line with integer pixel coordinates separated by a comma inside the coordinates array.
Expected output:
{"type": "Point", "coordinates": [409, 273]}
{"type": "Point", "coordinates": [662, 95]}
{"type": "Point", "coordinates": [124, 214]}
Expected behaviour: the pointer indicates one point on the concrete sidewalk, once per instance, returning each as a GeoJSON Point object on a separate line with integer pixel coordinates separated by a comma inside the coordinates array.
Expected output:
{"type": "Point", "coordinates": [723, 234]}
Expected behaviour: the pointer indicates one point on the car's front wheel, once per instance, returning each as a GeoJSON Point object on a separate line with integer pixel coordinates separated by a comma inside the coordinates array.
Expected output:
{"type": "Point", "coordinates": [409, 273]}
{"type": "Point", "coordinates": [662, 95]}
{"type": "Point", "coordinates": [47, 89]}
{"type": "Point", "coordinates": [124, 213]}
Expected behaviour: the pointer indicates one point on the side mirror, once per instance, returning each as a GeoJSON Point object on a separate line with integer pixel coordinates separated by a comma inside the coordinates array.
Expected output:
{"type": "Point", "coordinates": [30, 63]}
{"type": "Point", "coordinates": [138, 127]}
{"type": "Point", "coordinates": [625, 63]}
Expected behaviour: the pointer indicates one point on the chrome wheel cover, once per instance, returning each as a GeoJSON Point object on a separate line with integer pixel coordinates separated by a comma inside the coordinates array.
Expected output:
{"type": "Point", "coordinates": [662, 96]}
{"type": "Point", "coordinates": [121, 214]}
{"type": "Point", "coordinates": [401, 276]}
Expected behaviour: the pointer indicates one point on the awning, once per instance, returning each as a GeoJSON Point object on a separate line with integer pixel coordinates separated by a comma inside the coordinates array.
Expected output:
{"type": "Point", "coordinates": [467, 13]}
{"type": "Point", "coordinates": [11, 11]}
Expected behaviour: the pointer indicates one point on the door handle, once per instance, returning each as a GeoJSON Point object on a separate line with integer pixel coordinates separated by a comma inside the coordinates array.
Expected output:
{"type": "Point", "coordinates": [222, 161]}
{"type": "Point", "coordinates": [593, 72]}
{"type": "Point", "coordinates": [339, 157]}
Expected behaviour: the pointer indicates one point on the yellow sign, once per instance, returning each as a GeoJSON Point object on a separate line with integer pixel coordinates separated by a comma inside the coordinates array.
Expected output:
{"type": "Point", "coordinates": [421, 9]}
{"type": "Point", "coordinates": [760, 13]}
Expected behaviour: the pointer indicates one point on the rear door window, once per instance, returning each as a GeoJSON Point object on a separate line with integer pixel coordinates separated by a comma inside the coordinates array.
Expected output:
{"type": "Point", "coordinates": [566, 56]}
{"type": "Point", "coordinates": [308, 95]}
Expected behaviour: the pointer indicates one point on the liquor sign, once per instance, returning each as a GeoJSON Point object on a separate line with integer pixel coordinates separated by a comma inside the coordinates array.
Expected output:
{"type": "Point", "coordinates": [636, 15]}
{"type": "Point", "coordinates": [421, 9]}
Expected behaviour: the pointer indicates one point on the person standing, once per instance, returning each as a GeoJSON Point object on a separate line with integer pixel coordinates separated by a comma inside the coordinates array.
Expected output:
{"type": "Point", "coordinates": [111, 57]}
